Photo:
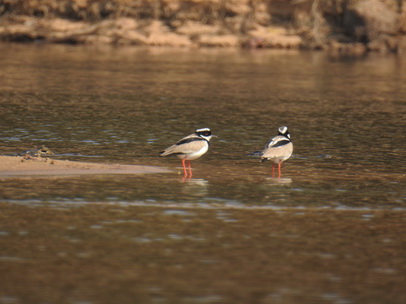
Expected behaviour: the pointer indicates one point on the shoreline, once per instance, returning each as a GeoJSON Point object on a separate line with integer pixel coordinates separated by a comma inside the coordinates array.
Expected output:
{"type": "Point", "coordinates": [14, 166]}
{"type": "Point", "coordinates": [353, 28]}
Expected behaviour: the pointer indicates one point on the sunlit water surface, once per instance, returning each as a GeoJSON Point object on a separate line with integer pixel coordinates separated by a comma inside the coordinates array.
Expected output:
{"type": "Point", "coordinates": [331, 230]}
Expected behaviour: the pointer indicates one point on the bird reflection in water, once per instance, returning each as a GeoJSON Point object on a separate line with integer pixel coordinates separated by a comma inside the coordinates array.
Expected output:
{"type": "Point", "coordinates": [195, 186]}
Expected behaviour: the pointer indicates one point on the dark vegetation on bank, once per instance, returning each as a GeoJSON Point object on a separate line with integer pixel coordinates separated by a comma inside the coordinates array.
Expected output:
{"type": "Point", "coordinates": [351, 27]}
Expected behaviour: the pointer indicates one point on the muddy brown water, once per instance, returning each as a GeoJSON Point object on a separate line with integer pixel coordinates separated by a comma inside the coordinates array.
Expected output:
{"type": "Point", "coordinates": [331, 230]}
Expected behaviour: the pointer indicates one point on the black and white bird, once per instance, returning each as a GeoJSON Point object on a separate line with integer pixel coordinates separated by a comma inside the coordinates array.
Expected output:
{"type": "Point", "coordinates": [278, 150]}
{"type": "Point", "coordinates": [190, 148]}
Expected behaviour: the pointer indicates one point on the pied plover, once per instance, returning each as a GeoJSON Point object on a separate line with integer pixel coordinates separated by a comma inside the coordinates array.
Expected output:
{"type": "Point", "coordinates": [278, 150]}
{"type": "Point", "coordinates": [190, 148]}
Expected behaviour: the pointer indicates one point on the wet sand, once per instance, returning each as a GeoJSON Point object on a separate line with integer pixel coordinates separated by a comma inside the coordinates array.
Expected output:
{"type": "Point", "coordinates": [17, 166]}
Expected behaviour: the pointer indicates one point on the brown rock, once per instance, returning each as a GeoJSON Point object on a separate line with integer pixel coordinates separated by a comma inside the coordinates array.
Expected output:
{"type": "Point", "coordinates": [367, 19]}
{"type": "Point", "coordinates": [218, 41]}
{"type": "Point", "coordinates": [160, 35]}
{"type": "Point", "coordinates": [272, 37]}
{"type": "Point", "coordinates": [192, 28]}
{"type": "Point", "coordinates": [346, 49]}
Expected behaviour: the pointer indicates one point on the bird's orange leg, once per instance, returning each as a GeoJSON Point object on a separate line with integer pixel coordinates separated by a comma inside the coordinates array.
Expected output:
{"type": "Point", "coordinates": [190, 169]}
{"type": "Point", "coordinates": [184, 167]}
{"type": "Point", "coordinates": [279, 169]}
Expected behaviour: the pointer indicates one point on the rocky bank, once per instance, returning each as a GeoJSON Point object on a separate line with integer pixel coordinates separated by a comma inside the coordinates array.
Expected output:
{"type": "Point", "coordinates": [351, 27]}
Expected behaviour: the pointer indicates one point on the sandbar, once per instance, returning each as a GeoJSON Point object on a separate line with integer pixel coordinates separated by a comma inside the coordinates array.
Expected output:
{"type": "Point", "coordinates": [16, 166]}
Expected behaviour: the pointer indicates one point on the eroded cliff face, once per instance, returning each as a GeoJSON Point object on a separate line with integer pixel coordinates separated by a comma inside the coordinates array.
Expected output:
{"type": "Point", "coordinates": [352, 26]}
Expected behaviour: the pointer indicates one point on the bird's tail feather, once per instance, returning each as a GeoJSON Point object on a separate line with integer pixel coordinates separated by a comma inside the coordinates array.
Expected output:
{"type": "Point", "coordinates": [255, 154]}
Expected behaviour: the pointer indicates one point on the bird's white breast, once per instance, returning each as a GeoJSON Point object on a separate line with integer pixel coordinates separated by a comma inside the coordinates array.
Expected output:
{"type": "Point", "coordinates": [195, 154]}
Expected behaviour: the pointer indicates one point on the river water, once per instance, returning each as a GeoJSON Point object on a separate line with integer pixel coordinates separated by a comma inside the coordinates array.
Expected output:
{"type": "Point", "coordinates": [330, 230]}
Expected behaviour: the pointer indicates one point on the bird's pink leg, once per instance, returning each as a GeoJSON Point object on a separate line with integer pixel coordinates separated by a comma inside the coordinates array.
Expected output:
{"type": "Point", "coordinates": [190, 169]}
{"type": "Point", "coordinates": [184, 167]}
{"type": "Point", "coordinates": [279, 169]}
